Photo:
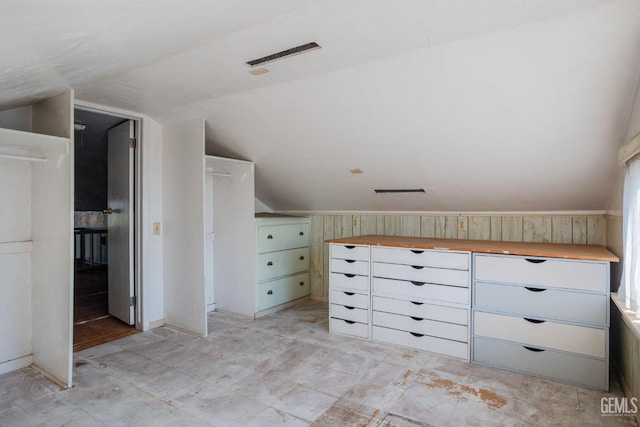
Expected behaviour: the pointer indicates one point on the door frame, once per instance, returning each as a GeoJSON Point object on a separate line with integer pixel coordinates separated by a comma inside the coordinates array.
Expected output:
{"type": "Point", "coordinates": [141, 323]}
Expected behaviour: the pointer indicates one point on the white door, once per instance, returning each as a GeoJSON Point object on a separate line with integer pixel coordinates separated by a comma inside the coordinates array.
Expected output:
{"type": "Point", "coordinates": [120, 205]}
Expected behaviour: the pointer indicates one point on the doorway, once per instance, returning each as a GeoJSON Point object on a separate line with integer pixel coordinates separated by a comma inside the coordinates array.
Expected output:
{"type": "Point", "coordinates": [104, 208]}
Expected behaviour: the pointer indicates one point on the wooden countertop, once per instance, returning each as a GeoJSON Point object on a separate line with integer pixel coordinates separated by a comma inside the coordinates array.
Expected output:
{"type": "Point", "coordinates": [551, 250]}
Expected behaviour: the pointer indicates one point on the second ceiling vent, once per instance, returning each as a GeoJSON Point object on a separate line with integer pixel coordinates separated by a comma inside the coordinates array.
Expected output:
{"type": "Point", "coordinates": [284, 54]}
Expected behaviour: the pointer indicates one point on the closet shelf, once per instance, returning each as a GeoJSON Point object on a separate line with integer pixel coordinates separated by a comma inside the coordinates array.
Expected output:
{"type": "Point", "coordinates": [210, 172]}
{"type": "Point", "coordinates": [15, 247]}
{"type": "Point", "coordinates": [29, 146]}
{"type": "Point", "coordinates": [16, 139]}
{"type": "Point", "coordinates": [18, 157]}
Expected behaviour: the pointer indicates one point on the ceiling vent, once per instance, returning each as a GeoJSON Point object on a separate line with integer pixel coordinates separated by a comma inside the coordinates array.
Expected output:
{"type": "Point", "coordinates": [401, 190]}
{"type": "Point", "coordinates": [284, 54]}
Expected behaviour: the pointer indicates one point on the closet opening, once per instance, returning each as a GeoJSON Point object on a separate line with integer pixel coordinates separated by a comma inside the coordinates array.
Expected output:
{"type": "Point", "coordinates": [104, 228]}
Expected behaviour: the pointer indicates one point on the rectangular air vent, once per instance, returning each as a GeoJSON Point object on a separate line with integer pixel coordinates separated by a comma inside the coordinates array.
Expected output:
{"type": "Point", "coordinates": [284, 54]}
{"type": "Point", "coordinates": [401, 190]}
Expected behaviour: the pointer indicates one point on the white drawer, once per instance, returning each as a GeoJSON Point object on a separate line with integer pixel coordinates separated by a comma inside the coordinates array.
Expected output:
{"type": "Point", "coordinates": [349, 327]}
{"type": "Point", "coordinates": [350, 299]}
{"type": "Point", "coordinates": [424, 342]}
{"type": "Point", "coordinates": [550, 335]}
{"type": "Point", "coordinates": [421, 274]}
{"type": "Point", "coordinates": [281, 263]}
{"type": "Point", "coordinates": [421, 257]}
{"type": "Point", "coordinates": [570, 368]}
{"type": "Point", "coordinates": [354, 252]}
{"type": "Point", "coordinates": [542, 303]}
{"type": "Point", "coordinates": [279, 237]}
{"type": "Point", "coordinates": [420, 309]}
{"type": "Point", "coordinates": [421, 325]}
{"type": "Point", "coordinates": [349, 313]}
{"type": "Point", "coordinates": [282, 290]}
{"type": "Point", "coordinates": [420, 292]}
{"type": "Point", "coordinates": [558, 273]}
{"type": "Point", "coordinates": [349, 266]}
{"type": "Point", "coordinates": [349, 281]}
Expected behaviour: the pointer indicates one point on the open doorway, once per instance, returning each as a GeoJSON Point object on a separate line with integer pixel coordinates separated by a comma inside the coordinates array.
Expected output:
{"type": "Point", "coordinates": [104, 300]}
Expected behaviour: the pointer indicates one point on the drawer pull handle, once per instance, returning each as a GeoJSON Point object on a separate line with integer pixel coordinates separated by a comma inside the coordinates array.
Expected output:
{"type": "Point", "coordinates": [350, 261]}
{"type": "Point", "coordinates": [535, 350]}
{"type": "Point", "coordinates": [269, 236]}
{"type": "Point", "coordinates": [416, 303]}
{"type": "Point", "coordinates": [416, 334]}
{"type": "Point", "coordinates": [301, 284]}
{"type": "Point", "coordinates": [417, 267]}
{"type": "Point", "coordinates": [349, 246]}
{"type": "Point", "coordinates": [418, 283]}
{"type": "Point", "coordinates": [351, 322]}
{"type": "Point", "coordinates": [269, 264]}
{"type": "Point", "coordinates": [533, 320]}
{"type": "Point", "coordinates": [534, 289]}
{"type": "Point", "coordinates": [349, 275]}
{"type": "Point", "coordinates": [535, 261]}
{"type": "Point", "coordinates": [417, 319]}
{"type": "Point", "coordinates": [269, 292]}
{"type": "Point", "coordinates": [301, 257]}
{"type": "Point", "coordinates": [350, 293]}
{"type": "Point", "coordinates": [301, 233]}
{"type": "Point", "coordinates": [416, 251]}
{"type": "Point", "coordinates": [349, 308]}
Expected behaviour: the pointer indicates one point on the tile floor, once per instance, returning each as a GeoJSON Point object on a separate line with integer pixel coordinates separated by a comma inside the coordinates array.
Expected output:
{"type": "Point", "coordinates": [287, 370]}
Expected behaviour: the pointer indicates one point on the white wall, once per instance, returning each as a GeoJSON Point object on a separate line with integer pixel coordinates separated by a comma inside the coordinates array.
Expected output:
{"type": "Point", "coordinates": [183, 215]}
{"type": "Point", "coordinates": [261, 207]}
{"type": "Point", "coordinates": [152, 245]}
{"type": "Point", "coordinates": [15, 265]}
{"type": "Point", "coordinates": [614, 205]}
{"type": "Point", "coordinates": [17, 118]}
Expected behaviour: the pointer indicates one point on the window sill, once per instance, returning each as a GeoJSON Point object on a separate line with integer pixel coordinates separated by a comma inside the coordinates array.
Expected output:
{"type": "Point", "coordinates": [629, 316]}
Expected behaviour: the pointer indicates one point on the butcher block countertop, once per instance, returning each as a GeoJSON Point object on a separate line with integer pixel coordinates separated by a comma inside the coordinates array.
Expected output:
{"type": "Point", "coordinates": [550, 250]}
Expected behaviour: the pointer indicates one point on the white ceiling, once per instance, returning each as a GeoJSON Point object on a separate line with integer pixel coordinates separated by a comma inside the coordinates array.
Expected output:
{"type": "Point", "coordinates": [493, 105]}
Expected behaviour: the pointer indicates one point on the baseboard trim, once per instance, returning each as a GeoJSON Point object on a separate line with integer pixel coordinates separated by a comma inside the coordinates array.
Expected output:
{"type": "Point", "coordinates": [15, 364]}
{"type": "Point", "coordinates": [277, 308]}
{"type": "Point", "coordinates": [156, 324]}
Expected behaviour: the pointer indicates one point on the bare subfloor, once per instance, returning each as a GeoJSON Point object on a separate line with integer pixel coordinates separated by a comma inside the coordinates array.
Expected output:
{"type": "Point", "coordinates": [286, 369]}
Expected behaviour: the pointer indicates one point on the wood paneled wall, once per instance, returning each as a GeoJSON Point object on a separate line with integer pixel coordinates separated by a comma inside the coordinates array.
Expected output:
{"type": "Point", "coordinates": [590, 230]}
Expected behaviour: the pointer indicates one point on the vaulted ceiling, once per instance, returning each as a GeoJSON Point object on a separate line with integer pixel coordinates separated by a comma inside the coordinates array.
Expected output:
{"type": "Point", "coordinates": [492, 105]}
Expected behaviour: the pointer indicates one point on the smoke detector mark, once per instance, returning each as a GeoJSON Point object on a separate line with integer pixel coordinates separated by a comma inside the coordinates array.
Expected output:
{"type": "Point", "coordinates": [356, 171]}
{"type": "Point", "coordinates": [258, 71]}
{"type": "Point", "coordinates": [283, 54]}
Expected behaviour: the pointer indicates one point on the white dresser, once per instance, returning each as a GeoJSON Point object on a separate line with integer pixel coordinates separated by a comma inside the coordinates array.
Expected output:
{"type": "Point", "coordinates": [282, 269]}
{"type": "Point", "coordinates": [410, 297]}
{"type": "Point", "coordinates": [543, 316]}
{"type": "Point", "coordinates": [421, 299]}
{"type": "Point", "coordinates": [349, 295]}
{"type": "Point", "coordinates": [534, 308]}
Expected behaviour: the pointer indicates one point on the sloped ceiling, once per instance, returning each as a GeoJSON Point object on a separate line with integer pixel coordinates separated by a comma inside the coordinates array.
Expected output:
{"type": "Point", "coordinates": [487, 105]}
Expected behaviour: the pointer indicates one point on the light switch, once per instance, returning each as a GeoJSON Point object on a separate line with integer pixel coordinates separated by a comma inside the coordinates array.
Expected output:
{"type": "Point", "coordinates": [156, 228]}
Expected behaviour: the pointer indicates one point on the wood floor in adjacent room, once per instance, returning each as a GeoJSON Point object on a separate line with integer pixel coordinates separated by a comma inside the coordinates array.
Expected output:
{"type": "Point", "coordinates": [92, 323]}
{"type": "Point", "coordinates": [287, 370]}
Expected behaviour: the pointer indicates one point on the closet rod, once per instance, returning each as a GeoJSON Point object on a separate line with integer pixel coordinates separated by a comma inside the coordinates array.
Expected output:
{"type": "Point", "coordinates": [218, 174]}
{"type": "Point", "coordinates": [17, 157]}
